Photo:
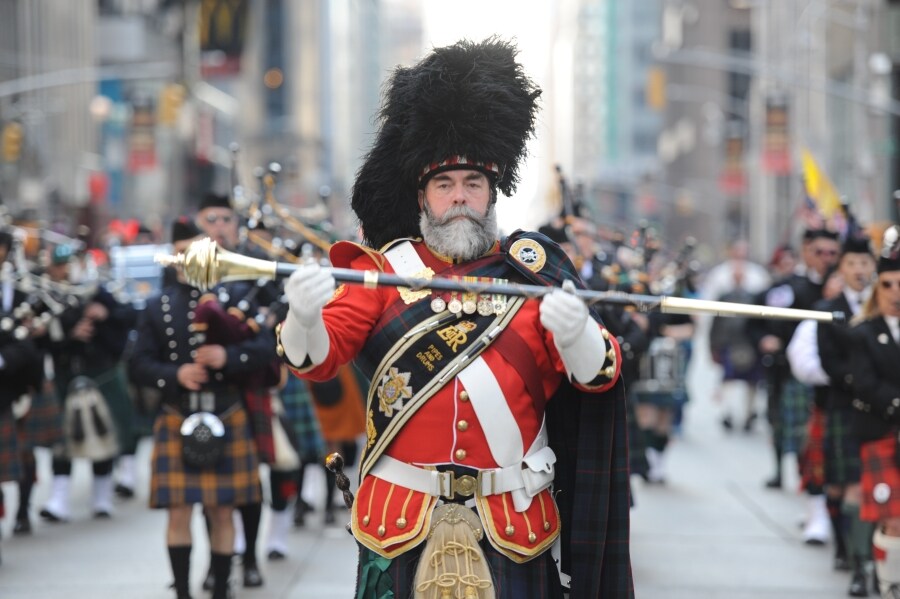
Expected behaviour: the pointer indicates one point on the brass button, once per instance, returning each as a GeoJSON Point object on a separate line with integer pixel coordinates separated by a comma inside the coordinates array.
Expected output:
{"type": "Point", "coordinates": [462, 425]}
{"type": "Point", "coordinates": [510, 530]}
{"type": "Point", "coordinates": [605, 334]}
{"type": "Point", "coordinates": [365, 520]}
{"type": "Point", "coordinates": [381, 530]}
{"type": "Point", "coordinates": [463, 396]}
{"type": "Point", "coordinates": [401, 523]}
{"type": "Point", "coordinates": [546, 526]}
{"type": "Point", "coordinates": [532, 537]}
{"type": "Point", "coordinates": [460, 454]}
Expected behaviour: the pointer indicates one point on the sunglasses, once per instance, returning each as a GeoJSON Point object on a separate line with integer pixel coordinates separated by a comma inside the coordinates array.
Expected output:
{"type": "Point", "coordinates": [214, 218]}
{"type": "Point", "coordinates": [889, 284]}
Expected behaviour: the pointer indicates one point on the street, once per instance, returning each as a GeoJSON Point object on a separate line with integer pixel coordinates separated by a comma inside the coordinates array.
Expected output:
{"type": "Point", "coordinates": [711, 531]}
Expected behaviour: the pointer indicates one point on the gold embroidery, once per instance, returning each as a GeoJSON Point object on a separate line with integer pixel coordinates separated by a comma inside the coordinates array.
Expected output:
{"type": "Point", "coordinates": [371, 432]}
{"type": "Point", "coordinates": [393, 390]}
{"type": "Point", "coordinates": [457, 334]}
{"type": "Point", "coordinates": [410, 296]}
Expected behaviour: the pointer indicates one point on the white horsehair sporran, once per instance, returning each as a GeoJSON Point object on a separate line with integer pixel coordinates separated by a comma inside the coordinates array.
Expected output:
{"type": "Point", "coordinates": [452, 565]}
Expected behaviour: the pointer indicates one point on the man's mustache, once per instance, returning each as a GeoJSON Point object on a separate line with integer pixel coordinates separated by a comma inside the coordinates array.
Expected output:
{"type": "Point", "coordinates": [459, 211]}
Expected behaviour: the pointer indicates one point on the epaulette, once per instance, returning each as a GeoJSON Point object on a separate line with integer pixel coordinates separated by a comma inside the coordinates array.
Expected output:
{"type": "Point", "coordinates": [343, 253]}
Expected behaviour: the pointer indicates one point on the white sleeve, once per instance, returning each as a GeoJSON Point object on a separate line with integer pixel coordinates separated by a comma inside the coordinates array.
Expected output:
{"type": "Point", "coordinates": [803, 355]}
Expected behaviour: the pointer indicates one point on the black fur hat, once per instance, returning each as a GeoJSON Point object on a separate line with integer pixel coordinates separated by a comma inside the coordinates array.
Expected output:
{"type": "Point", "coordinates": [469, 105]}
{"type": "Point", "coordinates": [856, 244]}
{"type": "Point", "coordinates": [184, 228]}
{"type": "Point", "coordinates": [214, 200]}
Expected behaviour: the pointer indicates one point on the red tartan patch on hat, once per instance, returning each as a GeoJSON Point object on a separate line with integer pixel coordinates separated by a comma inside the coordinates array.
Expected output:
{"type": "Point", "coordinates": [459, 162]}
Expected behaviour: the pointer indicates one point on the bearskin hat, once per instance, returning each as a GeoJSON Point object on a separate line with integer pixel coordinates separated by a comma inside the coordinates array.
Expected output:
{"type": "Point", "coordinates": [469, 105]}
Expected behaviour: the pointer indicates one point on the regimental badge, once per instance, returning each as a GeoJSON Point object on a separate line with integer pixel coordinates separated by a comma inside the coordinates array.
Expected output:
{"type": "Point", "coordinates": [529, 253]}
{"type": "Point", "coordinates": [410, 296]}
{"type": "Point", "coordinates": [394, 388]}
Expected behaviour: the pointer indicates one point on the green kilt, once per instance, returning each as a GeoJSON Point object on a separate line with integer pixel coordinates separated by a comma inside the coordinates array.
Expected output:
{"type": "Point", "coordinates": [10, 465]}
{"type": "Point", "coordinates": [42, 426]}
{"type": "Point", "coordinates": [842, 464]}
{"type": "Point", "coordinates": [234, 480]}
{"type": "Point", "coordinates": [796, 403]}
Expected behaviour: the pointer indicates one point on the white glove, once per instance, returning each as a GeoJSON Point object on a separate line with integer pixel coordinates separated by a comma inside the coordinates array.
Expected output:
{"type": "Point", "coordinates": [308, 290]}
{"type": "Point", "coordinates": [575, 334]}
{"type": "Point", "coordinates": [304, 334]}
{"type": "Point", "coordinates": [564, 315]}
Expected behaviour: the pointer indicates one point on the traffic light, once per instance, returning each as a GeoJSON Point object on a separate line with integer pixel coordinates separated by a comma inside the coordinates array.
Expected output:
{"type": "Point", "coordinates": [171, 98]}
{"type": "Point", "coordinates": [12, 142]}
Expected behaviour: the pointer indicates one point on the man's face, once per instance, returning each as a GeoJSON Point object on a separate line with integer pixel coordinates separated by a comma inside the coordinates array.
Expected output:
{"type": "Point", "coordinates": [823, 253]}
{"type": "Point", "coordinates": [458, 219]}
{"type": "Point", "coordinates": [857, 270]}
{"type": "Point", "coordinates": [221, 225]}
{"type": "Point", "coordinates": [888, 293]}
{"type": "Point", "coordinates": [456, 188]}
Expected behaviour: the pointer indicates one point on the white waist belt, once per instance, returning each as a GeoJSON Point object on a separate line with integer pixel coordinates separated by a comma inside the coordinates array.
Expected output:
{"type": "Point", "coordinates": [536, 475]}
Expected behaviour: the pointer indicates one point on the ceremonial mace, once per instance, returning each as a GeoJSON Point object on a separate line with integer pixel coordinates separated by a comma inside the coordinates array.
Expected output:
{"type": "Point", "coordinates": [205, 265]}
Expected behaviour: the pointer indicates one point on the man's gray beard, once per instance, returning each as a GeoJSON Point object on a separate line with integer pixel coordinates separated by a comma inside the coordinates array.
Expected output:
{"type": "Point", "coordinates": [462, 239]}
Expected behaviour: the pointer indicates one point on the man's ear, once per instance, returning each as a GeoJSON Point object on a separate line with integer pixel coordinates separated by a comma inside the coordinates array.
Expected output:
{"type": "Point", "coordinates": [421, 200]}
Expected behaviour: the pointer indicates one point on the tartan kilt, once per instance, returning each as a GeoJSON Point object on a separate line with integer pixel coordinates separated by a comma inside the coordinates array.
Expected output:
{"type": "Point", "coordinates": [879, 467]}
{"type": "Point", "coordinates": [535, 579]}
{"type": "Point", "coordinates": [796, 399]}
{"type": "Point", "coordinates": [841, 449]}
{"type": "Point", "coordinates": [812, 458]}
{"type": "Point", "coordinates": [42, 426]}
{"type": "Point", "coordinates": [299, 412]}
{"type": "Point", "coordinates": [10, 465]}
{"type": "Point", "coordinates": [114, 388]}
{"type": "Point", "coordinates": [234, 480]}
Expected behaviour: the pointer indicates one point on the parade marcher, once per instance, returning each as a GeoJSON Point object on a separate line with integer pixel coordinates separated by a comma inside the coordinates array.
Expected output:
{"type": "Point", "coordinates": [201, 397]}
{"type": "Point", "coordinates": [21, 373]}
{"type": "Point", "coordinates": [88, 352]}
{"type": "Point", "coordinates": [461, 382]}
{"type": "Point", "coordinates": [841, 445]}
{"type": "Point", "coordinates": [876, 386]}
{"type": "Point", "coordinates": [787, 399]}
{"type": "Point", "coordinates": [217, 219]}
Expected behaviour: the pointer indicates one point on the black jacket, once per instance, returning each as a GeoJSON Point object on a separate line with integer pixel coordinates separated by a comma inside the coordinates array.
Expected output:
{"type": "Point", "coordinates": [875, 368]}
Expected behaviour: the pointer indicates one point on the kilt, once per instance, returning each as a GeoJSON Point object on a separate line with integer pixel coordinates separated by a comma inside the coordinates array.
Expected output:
{"type": "Point", "coordinates": [42, 426]}
{"type": "Point", "coordinates": [299, 412]}
{"type": "Point", "coordinates": [812, 458]}
{"type": "Point", "coordinates": [879, 468]}
{"type": "Point", "coordinates": [10, 464]}
{"type": "Point", "coordinates": [841, 449]}
{"type": "Point", "coordinates": [114, 387]}
{"type": "Point", "coordinates": [794, 409]}
{"type": "Point", "coordinates": [234, 480]}
{"type": "Point", "coordinates": [535, 579]}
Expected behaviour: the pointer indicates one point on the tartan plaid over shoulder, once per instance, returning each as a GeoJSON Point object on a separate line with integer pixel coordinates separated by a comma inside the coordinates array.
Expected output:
{"type": "Point", "coordinates": [588, 433]}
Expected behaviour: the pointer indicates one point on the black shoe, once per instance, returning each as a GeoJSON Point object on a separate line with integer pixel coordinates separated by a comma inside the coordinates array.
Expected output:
{"type": "Point", "coordinates": [727, 424]}
{"type": "Point", "coordinates": [252, 576]}
{"type": "Point", "coordinates": [774, 483]}
{"type": "Point", "coordinates": [276, 555]}
{"type": "Point", "coordinates": [124, 492]}
{"type": "Point", "coordinates": [50, 516]}
{"type": "Point", "coordinates": [23, 526]}
{"type": "Point", "coordinates": [329, 517]}
{"type": "Point", "coordinates": [858, 584]}
{"type": "Point", "coordinates": [210, 581]}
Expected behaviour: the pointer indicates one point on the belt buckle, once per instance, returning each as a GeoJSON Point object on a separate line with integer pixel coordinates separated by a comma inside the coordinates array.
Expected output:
{"type": "Point", "coordinates": [464, 485]}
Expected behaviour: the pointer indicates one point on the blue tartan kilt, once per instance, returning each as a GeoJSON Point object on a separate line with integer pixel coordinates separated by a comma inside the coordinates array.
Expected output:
{"type": "Point", "coordinates": [10, 464]}
{"type": "Point", "coordinates": [842, 462]}
{"type": "Point", "coordinates": [534, 579]}
{"type": "Point", "coordinates": [42, 426]}
{"type": "Point", "coordinates": [233, 481]}
{"type": "Point", "coordinates": [298, 410]}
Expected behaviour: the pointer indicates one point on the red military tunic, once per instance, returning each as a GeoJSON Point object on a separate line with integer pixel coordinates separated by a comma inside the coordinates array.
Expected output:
{"type": "Point", "coordinates": [390, 519]}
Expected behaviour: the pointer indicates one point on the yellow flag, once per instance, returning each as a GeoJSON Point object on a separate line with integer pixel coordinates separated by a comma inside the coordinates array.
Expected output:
{"type": "Point", "coordinates": [819, 187]}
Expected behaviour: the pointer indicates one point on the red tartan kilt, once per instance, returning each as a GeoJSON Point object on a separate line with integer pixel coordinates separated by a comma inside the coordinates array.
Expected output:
{"type": "Point", "coordinates": [812, 459]}
{"type": "Point", "coordinates": [879, 466]}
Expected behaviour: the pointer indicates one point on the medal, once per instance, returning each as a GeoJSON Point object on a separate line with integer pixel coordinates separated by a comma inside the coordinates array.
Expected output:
{"type": "Point", "coordinates": [485, 306]}
{"type": "Point", "coordinates": [438, 304]}
{"type": "Point", "coordinates": [469, 304]}
{"type": "Point", "coordinates": [454, 305]}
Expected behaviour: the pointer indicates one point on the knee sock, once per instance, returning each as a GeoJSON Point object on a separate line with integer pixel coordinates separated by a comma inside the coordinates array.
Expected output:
{"type": "Point", "coordinates": [858, 535]}
{"type": "Point", "coordinates": [330, 483]}
{"type": "Point", "coordinates": [833, 504]}
{"type": "Point", "coordinates": [886, 551]}
{"type": "Point", "coordinates": [180, 558]}
{"type": "Point", "coordinates": [221, 567]}
{"type": "Point", "coordinates": [26, 484]}
{"type": "Point", "coordinates": [250, 514]}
